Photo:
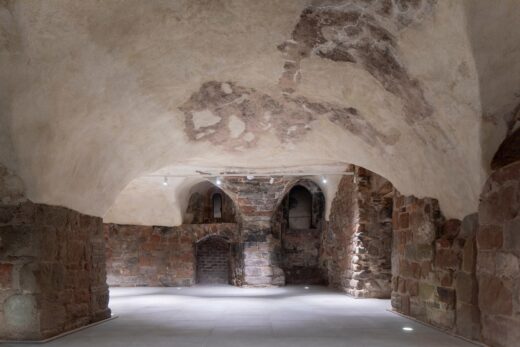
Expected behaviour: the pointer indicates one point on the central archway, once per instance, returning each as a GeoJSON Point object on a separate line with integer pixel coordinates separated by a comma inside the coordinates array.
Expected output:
{"type": "Point", "coordinates": [300, 223]}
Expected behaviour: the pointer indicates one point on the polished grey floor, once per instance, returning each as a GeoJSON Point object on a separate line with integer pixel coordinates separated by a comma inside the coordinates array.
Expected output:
{"type": "Point", "coordinates": [227, 316]}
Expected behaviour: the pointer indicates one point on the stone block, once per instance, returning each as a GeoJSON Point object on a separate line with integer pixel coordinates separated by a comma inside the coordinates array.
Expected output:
{"type": "Point", "coordinates": [446, 296]}
{"type": "Point", "coordinates": [451, 228]}
{"type": "Point", "coordinates": [404, 221]}
{"type": "Point", "coordinates": [500, 331]}
{"type": "Point", "coordinates": [468, 321]}
{"type": "Point", "coordinates": [6, 275]}
{"type": "Point", "coordinates": [486, 262]}
{"type": "Point", "coordinates": [447, 259]}
{"type": "Point", "coordinates": [489, 237]}
{"type": "Point", "coordinates": [441, 318]}
{"type": "Point", "coordinates": [466, 286]}
{"type": "Point", "coordinates": [495, 296]}
{"type": "Point", "coordinates": [426, 291]}
{"type": "Point", "coordinates": [469, 226]}
{"type": "Point", "coordinates": [424, 252]}
{"type": "Point", "coordinates": [507, 265]}
{"type": "Point", "coordinates": [469, 255]}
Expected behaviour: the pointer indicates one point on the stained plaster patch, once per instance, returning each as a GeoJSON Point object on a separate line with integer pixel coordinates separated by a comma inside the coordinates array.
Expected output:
{"type": "Point", "coordinates": [237, 119]}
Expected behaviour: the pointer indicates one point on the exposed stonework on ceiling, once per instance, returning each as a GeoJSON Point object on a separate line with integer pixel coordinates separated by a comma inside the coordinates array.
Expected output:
{"type": "Point", "coordinates": [228, 114]}
{"type": "Point", "coordinates": [364, 33]}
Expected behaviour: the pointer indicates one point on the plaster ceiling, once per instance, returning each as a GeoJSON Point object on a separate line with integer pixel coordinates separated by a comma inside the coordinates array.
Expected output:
{"type": "Point", "coordinates": [96, 96]}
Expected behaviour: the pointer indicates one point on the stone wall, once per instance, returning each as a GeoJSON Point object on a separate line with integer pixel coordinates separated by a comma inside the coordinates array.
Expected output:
{"type": "Point", "coordinates": [52, 271]}
{"type": "Point", "coordinates": [357, 245]}
{"type": "Point", "coordinates": [159, 256]}
{"type": "Point", "coordinates": [433, 266]}
{"type": "Point", "coordinates": [498, 242]}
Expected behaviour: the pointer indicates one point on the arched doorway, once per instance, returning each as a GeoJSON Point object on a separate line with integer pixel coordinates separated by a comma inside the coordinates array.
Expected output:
{"type": "Point", "coordinates": [213, 261]}
{"type": "Point", "coordinates": [299, 221]}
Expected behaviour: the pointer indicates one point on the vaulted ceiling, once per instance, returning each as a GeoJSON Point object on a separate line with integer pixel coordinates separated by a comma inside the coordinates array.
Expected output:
{"type": "Point", "coordinates": [97, 96]}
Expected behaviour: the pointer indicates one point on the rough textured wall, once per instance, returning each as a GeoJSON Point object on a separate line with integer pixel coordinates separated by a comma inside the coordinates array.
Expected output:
{"type": "Point", "coordinates": [498, 243]}
{"type": "Point", "coordinates": [158, 256]}
{"type": "Point", "coordinates": [52, 271]}
{"type": "Point", "coordinates": [433, 266]}
{"type": "Point", "coordinates": [359, 237]}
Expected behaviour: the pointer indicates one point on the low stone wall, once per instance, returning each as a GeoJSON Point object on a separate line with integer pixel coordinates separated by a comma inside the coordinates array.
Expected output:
{"type": "Point", "coordinates": [158, 256]}
{"type": "Point", "coordinates": [498, 269]}
{"type": "Point", "coordinates": [433, 266]}
{"type": "Point", "coordinates": [52, 271]}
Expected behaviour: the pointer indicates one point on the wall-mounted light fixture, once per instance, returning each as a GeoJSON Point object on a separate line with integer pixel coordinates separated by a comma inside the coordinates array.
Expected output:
{"type": "Point", "coordinates": [218, 181]}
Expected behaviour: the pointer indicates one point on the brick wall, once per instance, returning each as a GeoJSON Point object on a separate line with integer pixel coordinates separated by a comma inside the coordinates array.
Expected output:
{"type": "Point", "coordinates": [433, 265]}
{"type": "Point", "coordinates": [159, 256]}
{"type": "Point", "coordinates": [498, 268]}
{"type": "Point", "coordinates": [213, 261]}
{"type": "Point", "coordinates": [52, 271]}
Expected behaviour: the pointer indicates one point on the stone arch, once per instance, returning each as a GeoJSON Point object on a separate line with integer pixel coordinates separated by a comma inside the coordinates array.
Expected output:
{"type": "Point", "coordinates": [298, 224]}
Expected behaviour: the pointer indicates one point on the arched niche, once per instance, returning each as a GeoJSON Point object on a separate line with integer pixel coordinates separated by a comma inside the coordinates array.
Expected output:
{"type": "Point", "coordinates": [209, 204]}
{"type": "Point", "coordinates": [298, 223]}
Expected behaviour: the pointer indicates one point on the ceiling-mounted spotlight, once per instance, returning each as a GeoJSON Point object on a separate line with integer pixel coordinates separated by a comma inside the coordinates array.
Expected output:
{"type": "Point", "coordinates": [218, 181]}
{"type": "Point", "coordinates": [165, 181]}
{"type": "Point", "coordinates": [323, 179]}
{"type": "Point", "coordinates": [250, 177]}
{"type": "Point", "coordinates": [271, 180]}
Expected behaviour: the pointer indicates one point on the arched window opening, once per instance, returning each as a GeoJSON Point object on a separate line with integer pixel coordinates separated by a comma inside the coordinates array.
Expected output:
{"type": "Point", "coordinates": [217, 206]}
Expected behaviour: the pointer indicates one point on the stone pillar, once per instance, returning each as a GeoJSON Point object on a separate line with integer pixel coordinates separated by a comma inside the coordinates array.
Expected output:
{"type": "Point", "coordinates": [359, 238]}
{"type": "Point", "coordinates": [256, 202]}
{"type": "Point", "coordinates": [52, 271]}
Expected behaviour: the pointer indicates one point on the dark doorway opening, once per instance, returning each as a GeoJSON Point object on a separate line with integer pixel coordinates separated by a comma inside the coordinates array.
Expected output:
{"type": "Point", "coordinates": [213, 261]}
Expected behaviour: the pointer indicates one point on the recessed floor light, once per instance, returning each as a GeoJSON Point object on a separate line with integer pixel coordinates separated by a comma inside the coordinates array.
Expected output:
{"type": "Point", "coordinates": [306, 287]}
{"type": "Point", "coordinates": [407, 329]}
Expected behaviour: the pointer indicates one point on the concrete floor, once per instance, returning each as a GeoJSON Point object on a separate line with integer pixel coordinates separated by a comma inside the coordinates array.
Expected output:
{"type": "Point", "coordinates": [227, 316]}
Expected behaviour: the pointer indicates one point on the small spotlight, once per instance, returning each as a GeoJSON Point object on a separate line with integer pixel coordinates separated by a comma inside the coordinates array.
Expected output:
{"type": "Point", "coordinates": [250, 177]}
{"type": "Point", "coordinates": [306, 287]}
{"type": "Point", "coordinates": [218, 181]}
{"type": "Point", "coordinates": [165, 181]}
{"type": "Point", "coordinates": [407, 328]}
{"type": "Point", "coordinates": [323, 179]}
{"type": "Point", "coordinates": [271, 180]}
